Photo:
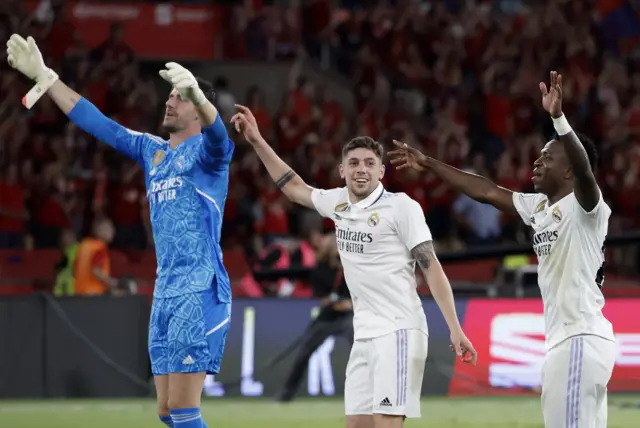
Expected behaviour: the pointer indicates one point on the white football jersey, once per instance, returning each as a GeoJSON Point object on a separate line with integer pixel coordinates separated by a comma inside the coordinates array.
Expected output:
{"type": "Point", "coordinates": [375, 237]}
{"type": "Point", "coordinates": [569, 243]}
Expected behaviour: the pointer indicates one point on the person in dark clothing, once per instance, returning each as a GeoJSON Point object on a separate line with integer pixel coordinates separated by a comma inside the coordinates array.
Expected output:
{"type": "Point", "coordinates": [335, 317]}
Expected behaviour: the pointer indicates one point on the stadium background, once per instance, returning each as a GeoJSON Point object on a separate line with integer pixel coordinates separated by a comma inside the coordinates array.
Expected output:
{"type": "Point", "coordinates": [456, 78]}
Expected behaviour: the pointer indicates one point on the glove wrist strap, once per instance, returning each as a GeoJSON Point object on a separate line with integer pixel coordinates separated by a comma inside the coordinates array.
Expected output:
{"type": "Point", "coordinates": [47, 78]}
{"type": "Point", "coordinates": [43, 82]}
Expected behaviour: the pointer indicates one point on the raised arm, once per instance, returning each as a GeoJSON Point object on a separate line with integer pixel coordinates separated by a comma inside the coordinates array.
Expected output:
{"type": "Point", "coordinates": [286, 178]}
{"type": "Point", "coordinates": [585, 186]}
{"type": "Point", "coordinates": [475, 186]}
{"type": "Point", "coordinates": [24, 56]}
{"type": "Point", "coordinates": [217, 149]}
{"type": "Point", "coordinates": [91, 120]}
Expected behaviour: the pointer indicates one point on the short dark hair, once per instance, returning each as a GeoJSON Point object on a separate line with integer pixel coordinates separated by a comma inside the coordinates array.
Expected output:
{"type": "Point", "coordinates": [364, 142]}
{"type": "Point", "coordinates": [589, 147]}
{"type": "Point", "coordinates": [207, 88]}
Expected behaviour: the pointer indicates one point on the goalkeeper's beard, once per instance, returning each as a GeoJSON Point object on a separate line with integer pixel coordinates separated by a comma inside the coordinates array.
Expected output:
{"type": "Point", "coordinates": [172, 128]}
{"type": "Point", "coordinates": [174, 124]}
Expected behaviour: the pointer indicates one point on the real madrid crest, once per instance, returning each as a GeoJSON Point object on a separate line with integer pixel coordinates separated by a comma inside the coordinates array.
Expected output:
{"type": "Point", "coordinates": [158, 157]}
{"type": "Point", "coordinates": [556, 214]}
{"type": "Point", "coordinates": [180, 162]}
{"type": "Point", "coordinates": [373, 220]}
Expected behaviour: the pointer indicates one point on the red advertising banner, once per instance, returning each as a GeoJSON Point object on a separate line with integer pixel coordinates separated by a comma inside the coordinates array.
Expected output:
{"type": "Point", "coordinates": [175, 31]}
{"type": "Point", "coordinates": [509, 337]}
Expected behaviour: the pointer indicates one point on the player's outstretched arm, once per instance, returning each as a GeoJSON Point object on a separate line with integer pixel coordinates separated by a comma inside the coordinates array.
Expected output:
{"type": "Point", "coordinates": [475, 186]}
{"type": "Point", "coordinates": [24, 56]}
{"type": "Point", "coordinates": [218, 148]}
{"type": "Point", "coordinates": [585, 186]}
{"type": "Point", "coordinates": [286, 178]}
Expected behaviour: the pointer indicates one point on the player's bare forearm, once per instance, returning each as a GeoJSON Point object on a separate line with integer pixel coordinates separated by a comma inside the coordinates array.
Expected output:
{"type": "Point", "coordinates": [585, 186]}
{"type": "Point", "coordinates": [438, 282]}
{"type": "Point", "coordinates": [475, 186]}
{"type": "Point", "coordinates": [64, 97]}
{"type": "Point", "coordinates": [286, 178]}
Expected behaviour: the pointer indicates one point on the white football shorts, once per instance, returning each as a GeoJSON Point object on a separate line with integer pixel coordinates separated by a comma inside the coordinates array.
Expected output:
{"type": "Point", "coordinates": [575, 375]}
{"type": "Point", "coordinates": [384, 374]}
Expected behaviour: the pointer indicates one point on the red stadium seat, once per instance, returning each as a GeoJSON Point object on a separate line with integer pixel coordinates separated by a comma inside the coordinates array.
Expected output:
{"type": "Point", "coordinates": [120, 265]}
{"type": "Point", "coordinates": [20, 265]}
{"type": "Point", "coordinates": [481, 271]}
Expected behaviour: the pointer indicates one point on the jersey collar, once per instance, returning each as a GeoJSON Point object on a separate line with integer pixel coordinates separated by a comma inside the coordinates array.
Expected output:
{"type": "Point", "coordinates": [369, 200]}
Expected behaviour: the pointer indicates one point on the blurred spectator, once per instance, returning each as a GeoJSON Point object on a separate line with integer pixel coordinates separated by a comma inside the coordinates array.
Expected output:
{"type": "Point", "coordinates": [335, 317]}
{"type": "Point", "coordinates": [65, 268]}
{"type": "Point", "coordinates": [13, 212]}
{"type": "Point", "coordinates": [457, 79]}
{"type": "Point", "coordinates": [113, 52]}
{"type": "Point", "coordinates": [92, 269]}
{"type": "Point", "coordinates": [479, 223]}
{"type": "Point", "coordinates": [126, 200]}
{"type": "Point", "coordinates": [225, 100]}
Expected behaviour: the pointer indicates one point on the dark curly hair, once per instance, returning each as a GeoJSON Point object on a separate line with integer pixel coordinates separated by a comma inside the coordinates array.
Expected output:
{"type": "Point", "coordinates": [207, 88]}
{"type": "Point", "coordinates": [364, 143]}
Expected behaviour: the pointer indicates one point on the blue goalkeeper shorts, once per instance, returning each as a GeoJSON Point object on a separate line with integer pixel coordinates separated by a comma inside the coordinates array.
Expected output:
{"type": "Point", "coordinates": [187, 333]}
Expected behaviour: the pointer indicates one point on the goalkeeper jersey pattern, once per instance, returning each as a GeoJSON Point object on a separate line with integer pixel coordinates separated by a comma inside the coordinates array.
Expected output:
{"type": "Point", "coordinates": [187, 189]}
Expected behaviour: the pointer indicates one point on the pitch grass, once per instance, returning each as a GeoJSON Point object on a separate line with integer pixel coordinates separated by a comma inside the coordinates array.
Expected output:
{"type": "Point", "coordinates": [624, 412]}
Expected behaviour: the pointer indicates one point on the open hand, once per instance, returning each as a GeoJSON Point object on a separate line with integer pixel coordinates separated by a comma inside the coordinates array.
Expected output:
{"type": "Point", "coordinates": [552, 98]}
{"type": "Point", "coordinates": [24, 56]}
{"type": "Point", "coordinates": [407, 157]}
{"type": "Point", "coordinates": [245, 124]}
{"type": "Point", "coordinates": [185, 82]}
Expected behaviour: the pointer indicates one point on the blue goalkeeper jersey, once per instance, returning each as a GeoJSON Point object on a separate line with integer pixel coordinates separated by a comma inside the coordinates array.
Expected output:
{"type": "Point", "coordinates": [187, 188]}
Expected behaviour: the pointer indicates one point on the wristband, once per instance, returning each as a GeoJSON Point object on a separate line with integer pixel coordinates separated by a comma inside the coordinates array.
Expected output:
{"type": "Point", "coordinates": [561, 125]}
{"type": "Point", "coordinates": [43, 83]}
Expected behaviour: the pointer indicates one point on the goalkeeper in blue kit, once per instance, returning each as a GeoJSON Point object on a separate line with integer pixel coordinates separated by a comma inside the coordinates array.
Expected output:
{"type": "Point", "coordinates": [187, 179]}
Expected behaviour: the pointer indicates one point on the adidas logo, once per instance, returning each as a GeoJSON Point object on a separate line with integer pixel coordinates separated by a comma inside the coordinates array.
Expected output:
{"type": "Point", "coordinates": [386, 402]}
{"type": "Point", "coordinates": [188, 360]}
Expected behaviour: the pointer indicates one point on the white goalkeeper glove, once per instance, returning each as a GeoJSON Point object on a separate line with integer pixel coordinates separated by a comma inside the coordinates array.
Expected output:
{"type": "Point", "coordinates": [24, 56]}
{"type": "Point", "coordinates": [185, 82]}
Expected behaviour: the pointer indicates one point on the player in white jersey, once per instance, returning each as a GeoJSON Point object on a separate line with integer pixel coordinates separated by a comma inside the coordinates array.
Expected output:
{"type": "Point", "coordinates": [380, 236]}
{"type": "Point", "coordinates": [569, 218]}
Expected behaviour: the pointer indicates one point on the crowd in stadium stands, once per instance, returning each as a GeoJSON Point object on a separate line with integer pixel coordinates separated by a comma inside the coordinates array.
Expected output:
{"type": "Point", "coordinates": [460, 83]}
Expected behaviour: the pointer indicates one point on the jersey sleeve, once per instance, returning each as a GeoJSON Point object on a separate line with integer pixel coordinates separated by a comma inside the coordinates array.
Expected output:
{"type": "Point", "coordinates": [325, 201]}
{"type": "Point", "coordinates": [411, 224]}
{"type": "Point", "coordinates": [217, 148]}
{"type": "Point", "coordinates": [91, 120]}
{"type": "Point", "coordinates": [526, 204]}
{"type": "Point", "coordinates": [600, 212]}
